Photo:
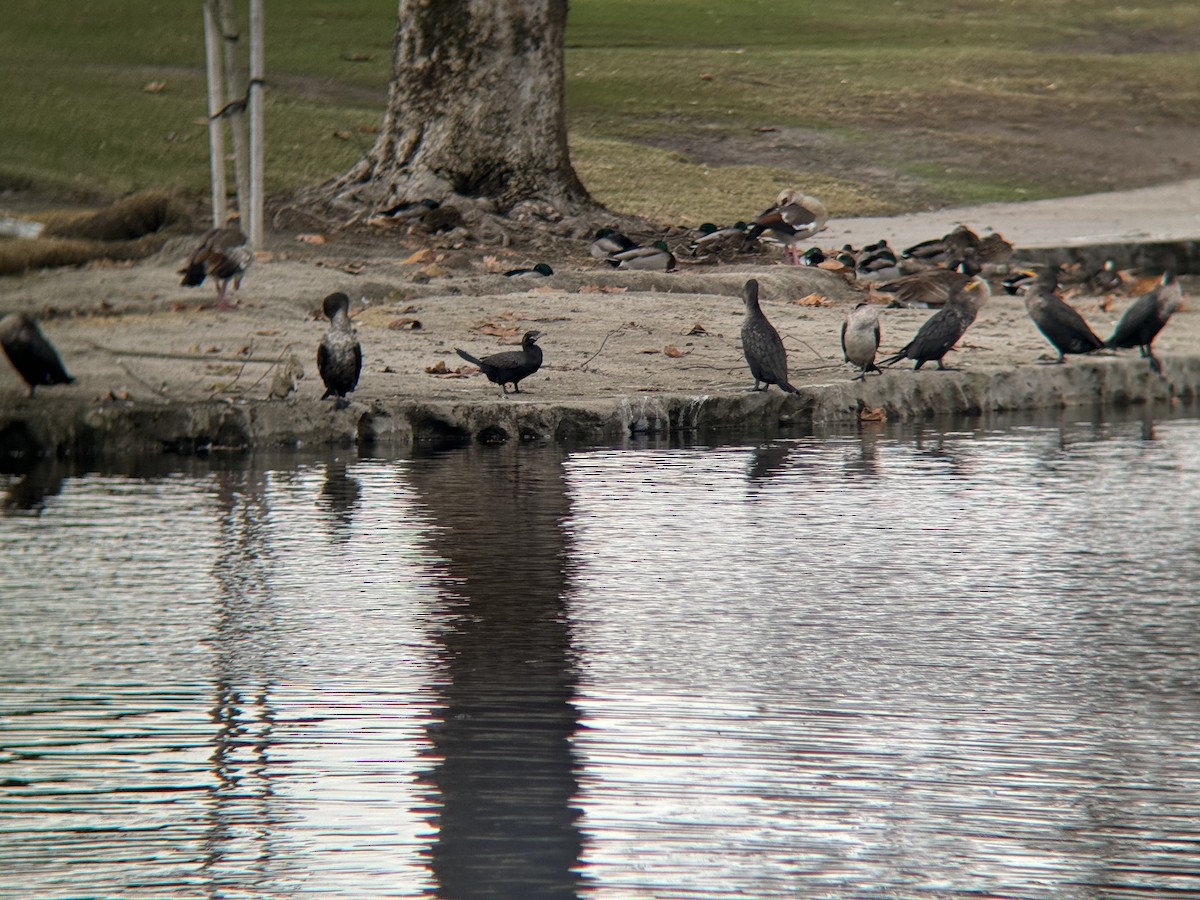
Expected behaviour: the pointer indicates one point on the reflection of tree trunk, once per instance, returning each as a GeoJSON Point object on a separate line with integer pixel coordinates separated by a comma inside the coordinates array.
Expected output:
{"type": "Point", "coordinates": [475, 107]}
{"type": "Point", "coordinates": [506, 779]}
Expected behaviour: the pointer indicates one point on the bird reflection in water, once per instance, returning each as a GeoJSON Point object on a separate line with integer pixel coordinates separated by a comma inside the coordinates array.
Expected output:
{"type": "Point", "coordinates": [339, 498]}
{"type": "Point", "coordinates": [506, 772]}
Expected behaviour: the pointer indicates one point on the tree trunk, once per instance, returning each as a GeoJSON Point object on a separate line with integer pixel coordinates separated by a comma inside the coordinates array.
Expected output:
{"type": "Point", "coordinates": [475, 108]}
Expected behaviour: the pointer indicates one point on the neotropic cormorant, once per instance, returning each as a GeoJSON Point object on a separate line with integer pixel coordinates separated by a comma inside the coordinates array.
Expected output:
{"type": "Point", "coordinates": [339, 356]}
{"type": "Point", "coordinates": [945, 327]}
{"type": "Point", "coordinates": [1146, 317]}
{"type": "Point", "coordinates": [510, 366]}
{"type": "Point", "coordinates": [34, 357]}
{"type": "Point", "coordinates": [762, 345]}
{"type": "Point", "coordinates": [860, 338]}
{"type": "Point", "coordinates": [1057, 320]}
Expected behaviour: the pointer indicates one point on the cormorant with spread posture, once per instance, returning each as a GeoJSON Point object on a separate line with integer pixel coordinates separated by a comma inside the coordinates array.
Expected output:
{"type": "Point", "coordinates": [34, 357]}
{"type": "Point", "coordinates": [222, 256]}
{"type": "Point", "coordinates": [1057, 320]}
{"type": "Point", "coordinates": [1146, 317]}
{"type": "Point", "coordinates": [510, 366]}
{"type": "Point", "coordinates": [762, 345]}
{"type": "Point", "coordinates": [339, 356]}
{"type": "Point", "coordinates": [945, 327]}
{"type": "Point", "coordinates": [860, 338]}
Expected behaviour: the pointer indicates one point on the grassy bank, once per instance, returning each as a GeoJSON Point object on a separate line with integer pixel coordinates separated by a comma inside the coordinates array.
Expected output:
{"type": "Point", "coordinates": [679, 109]}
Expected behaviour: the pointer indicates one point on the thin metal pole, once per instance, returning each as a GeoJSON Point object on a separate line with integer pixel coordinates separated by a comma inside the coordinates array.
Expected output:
{"type": "Point", "coordinates": [254, 93]}
{"type": "Point", "coordinates": [216, 128]}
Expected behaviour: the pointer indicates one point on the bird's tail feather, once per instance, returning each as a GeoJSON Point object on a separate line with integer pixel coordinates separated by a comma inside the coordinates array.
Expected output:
{"type": "Point", "coordinates": [892, 360]}
{"type": "Point", "coordinates": [194, 274]}
{"type": "Point", "coordinates": [467, 356]}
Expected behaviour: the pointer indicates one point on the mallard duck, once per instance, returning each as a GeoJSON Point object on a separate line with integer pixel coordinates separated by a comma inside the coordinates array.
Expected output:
{"type": "Point", "coordinates": [31, 354]}
{"type": "Point", "coordinates": [860, 338]}
{"type": "Point", "coordinates": [714, 241]}
{"type": "Point", "coordinates": [945, 327]}
{"type": "Point", "coordinates": [929, 287]}
{"type": "Point", "coordinates": [876, 262]}
{"type": "Point", "coordinates": [793, 219]}
{"type": "Point", "coordinates": [223, 256]}
{"type": "Point", "coordinates": [655, 258]}
{"type": "Point", "coordinates": [609, 241]}
{"type": "Point", "coordinates": [764, 350]}
{"type": "Point", "coordinates": [339, 355]}
{"type": "Point", "coordinates": [510, 366]}
{"type": "Point", "coordinates": [957, 244]}
{"type": "Point", "coordinates": [541, 270]}
{"type": "Point", "coordinates": [1058, 321]}
{"type": "Point", "coordinates": [1146, 317]}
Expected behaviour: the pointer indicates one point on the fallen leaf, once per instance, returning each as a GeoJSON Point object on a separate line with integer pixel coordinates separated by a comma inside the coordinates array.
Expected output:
{"type": "Point", "coordinates": [433, 270]}
{"type": "Point", "coordinates": [354, 268]}
{"type": "Point", "coordinates": [263, 256]}
{"type": "Point", "coordinates": [832, 265]}
{"type": "Point", "coordinates": [311, 238]}
{"type": "Point", "coordinates": [245, 351]}
{"type": "Point", "coordinates": [698, 329]}
{"type": "Point", "coordinates": [650, 350]}
{"type": "Point", "coordinates": [342, 135]}
{"type": "Point", "coordinates": [673, 352]}
{"type": "Point", "coordinates": [706, 76]}
{"type": "Point", "coordinates": [872, 414]}
{"type": "Point", "coordinates": [155, 87]}
{"type": "Point", "coordinates": [421, 256]}
{"type": "Point", "coordinates": [357, 57]}
{"type": "Point", "coordinates": [438, 368]}
{"type": "Point", "coordinates": [813, 300]}
{"type": "Point", "coordinates": [267, 332]}
{"type": "Point", "coordinates": [497, 331]}
{"type": "Point", "coordinates": [404, 324]}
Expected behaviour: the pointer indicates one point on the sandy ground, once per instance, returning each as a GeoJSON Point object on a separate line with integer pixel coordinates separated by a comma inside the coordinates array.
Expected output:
{"type": "Point", "coordinates": [131, 332]}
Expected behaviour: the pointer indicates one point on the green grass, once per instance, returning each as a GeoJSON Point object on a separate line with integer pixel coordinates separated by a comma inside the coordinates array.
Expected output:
{"type": "Point", "coordinates": [904, 97]}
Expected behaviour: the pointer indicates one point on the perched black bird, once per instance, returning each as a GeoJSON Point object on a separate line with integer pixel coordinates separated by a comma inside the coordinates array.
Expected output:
{"type": "Point", "coordinates": [762, 345]}
{"type": "Point", "coordinates": [1146, 317]}
{"type": "Point", "coordinates": [34, 357]}
{"type": "Point", "coordinates": [510, 366]}
{"type": "Point", "coordinates": [1057, 320]}
{"type": "Point", "coordinates": [860, 338]}
{"type": "Point", "coordinates": [945, 327]}
{"type": "Point", "coordinates": [339, 356]}
{"type": "Point", "coordinates": [222, 256]}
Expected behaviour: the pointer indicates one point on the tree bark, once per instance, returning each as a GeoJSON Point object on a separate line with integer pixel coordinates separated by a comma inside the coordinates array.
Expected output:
{"type": "Point", "coordinates": [475, 108]}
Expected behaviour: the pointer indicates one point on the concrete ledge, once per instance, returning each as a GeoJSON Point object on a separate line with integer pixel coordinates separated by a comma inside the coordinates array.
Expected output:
{"type": "Point", "coordinates": [65, 427]}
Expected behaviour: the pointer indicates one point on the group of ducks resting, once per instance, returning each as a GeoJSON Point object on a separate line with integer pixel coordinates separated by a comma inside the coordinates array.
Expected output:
{"type": "Point", "coordinates": [947, 276]}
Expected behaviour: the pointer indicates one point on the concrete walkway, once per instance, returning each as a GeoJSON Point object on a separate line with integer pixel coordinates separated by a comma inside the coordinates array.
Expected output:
{"type": "Point", "coordinates": [1164, 213]}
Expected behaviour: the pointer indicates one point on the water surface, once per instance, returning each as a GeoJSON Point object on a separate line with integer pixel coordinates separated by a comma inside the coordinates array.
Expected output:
{"type": "Point", "coordinates": [918, 661]}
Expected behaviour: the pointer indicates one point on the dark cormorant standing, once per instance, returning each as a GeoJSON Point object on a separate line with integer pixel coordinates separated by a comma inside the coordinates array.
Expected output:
{"type": "Point", "coordinates": [762, 345]}
{"type": "Point", "coordinates": [339, 356]}
{"type": "Point", "coordinates": [1146, 317]}
{"type": "Point", "coordinates": [945, 327]}
{"type": "Point", "coordinates": [1057, 320]}
{"type": "Point", "coordinates": [794, 218]}
{"type": "Point", "coordinates": [860, 338]}
{"type": "Point", "coordinates": [510, 366]}
{"type": "Point", "coordinates": [34, 357]}
{"type": "Point", "coordinates": [222, 256]}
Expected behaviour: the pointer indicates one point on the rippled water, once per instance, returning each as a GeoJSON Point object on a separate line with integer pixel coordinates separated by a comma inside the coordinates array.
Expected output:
{"type": "Point", "coordinates": [907, 662]}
